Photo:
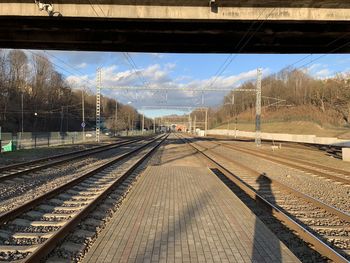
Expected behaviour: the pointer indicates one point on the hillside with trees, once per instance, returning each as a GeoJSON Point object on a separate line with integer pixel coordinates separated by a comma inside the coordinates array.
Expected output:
{"type": "Point", "coordinates": [300, 96]}
{"type": "Point", "coordinates": [49, 102]}
{"type": "Point", "coordinates": [290, 95]}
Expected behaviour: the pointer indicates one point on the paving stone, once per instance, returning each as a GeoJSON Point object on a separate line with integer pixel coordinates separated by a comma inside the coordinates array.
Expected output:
{"type": "Point", "coordinates": [184, 213]}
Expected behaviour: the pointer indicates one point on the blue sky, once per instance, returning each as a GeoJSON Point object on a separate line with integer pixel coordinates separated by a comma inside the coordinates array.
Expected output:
{"type": "Point", "coordinates": [187, 71]}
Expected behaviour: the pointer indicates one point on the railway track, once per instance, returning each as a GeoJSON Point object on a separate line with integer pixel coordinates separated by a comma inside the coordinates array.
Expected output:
{"type": "Point", "coordinates": [325, 227]}
{"type": "Point", "coordinates": [329, 173]}
{"type": "Point", "coordinates": [16, 170]}
{"type": "Point", "coordinates": [29, 232]}
{"type": "Point", "coordinates": [332, 150]}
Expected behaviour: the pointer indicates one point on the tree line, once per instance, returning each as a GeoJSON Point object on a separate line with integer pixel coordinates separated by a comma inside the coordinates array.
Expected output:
{"type": "Point", "coordinates": [293, 89]}
{"type": "Point", "coordinates": [49, 102]}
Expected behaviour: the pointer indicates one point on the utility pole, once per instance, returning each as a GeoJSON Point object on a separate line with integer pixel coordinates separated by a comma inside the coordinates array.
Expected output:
{"type": "Point", "coordinates": [206, 121]}
{"type": "Point", "coordinates": [194, 124]}
{"type": "Point", "coordinates": [83, 113]}
{"type": "Point", "coordinates": [21, 124]}
{"type": "Point", "coordinates": [258, 109]}
{"type": "Point", "coordinates": [98, 104]}
{"type": "Point", "coordinates": [127, 131]}
{"type": "Point", "coordinates": [22, 114]}
{"type": "Point", "coordinates": [116, 118]}
{"type": "Point", "coordinates": [229, 113]}
{"type": "Point", "coordinates": [235, 125]}
{"type": "Point", "coordinates": [154, 125]}
{"type": "Point", "coordinates": [62, 114]}
{"type": "Point", "coordinates": [143, 122]}
{"type": "Point", "coordinates": [189, 123]}
{"type": "Point", "coordinates": [67, 121]}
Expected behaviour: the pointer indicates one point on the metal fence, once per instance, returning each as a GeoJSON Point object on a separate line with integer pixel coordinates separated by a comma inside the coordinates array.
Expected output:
{"type": "Point", "coordinates": [28, 140]}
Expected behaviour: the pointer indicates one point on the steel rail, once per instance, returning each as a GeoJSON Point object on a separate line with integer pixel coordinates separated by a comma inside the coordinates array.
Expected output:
{"type": "Point", "coordinates": [289, 144]}
{"type": "Point", "coordinates": [333, 210]}
{"type": "Point", "coordinates": [287, 161]}
{"type": "Point", "coordinates": [44, 249]}
{"type": "Point", "coordinates": [4, 218]}
{"type": "Point", "coordinates": [52, 157]}
{"type": "Point", "coordinates": [66, 158]}
{"type": "Point", "coordinates": [305, 234]}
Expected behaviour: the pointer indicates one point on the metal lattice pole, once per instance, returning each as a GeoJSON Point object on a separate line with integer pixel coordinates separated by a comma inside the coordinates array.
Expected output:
{"type": "Point", "coordinates": [83, 113]}
{"type": "Point", "coordinates": [116, 118]}
{"type": "Point", "coordinates": [194, 124]}
{"type": "Point", "coordinates": [258, 109]}
{"type": "Point", "coordinates": [98, 105]}
{"type": "Point", "coordinates": [206, 121]}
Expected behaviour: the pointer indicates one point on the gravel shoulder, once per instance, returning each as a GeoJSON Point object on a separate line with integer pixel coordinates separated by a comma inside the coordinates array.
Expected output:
{"type": "Point", "coordinates": [26, 155]}
{"type": "Point", "coordinates": [310, 155]}
{"type": "Point", "coordinates": [14, 192]}
{"type": "Point", "coordinates": [329, 192]}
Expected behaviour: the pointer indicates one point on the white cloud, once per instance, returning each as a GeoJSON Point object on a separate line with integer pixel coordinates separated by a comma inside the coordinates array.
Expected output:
{"type": "Point", "coordinates": [81, 82]}
{"type": "Point", "coordinates": [158, 55]}
{"type": "Point", "coordinates": [82, 65]}
{"type": "Point", "coordinates": [159, 77]}
{"type": "Point", "coordinates": [320, 71]}
{"type": "Point", "coordinates": [323, 73]}
{"type": "Point", "coordinates": [314, 67]}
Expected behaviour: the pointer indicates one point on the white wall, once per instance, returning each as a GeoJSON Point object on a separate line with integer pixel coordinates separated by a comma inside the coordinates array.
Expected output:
{"type": "Point", "coordinates": [283, 137]}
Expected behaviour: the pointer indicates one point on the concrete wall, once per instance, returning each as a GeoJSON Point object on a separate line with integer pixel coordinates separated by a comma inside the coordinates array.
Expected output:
{"type": "Point", "coordinates": [284, 10]}
{"type": "Point", "coordinates": [346, 154]}
{"type": "Point", "coordinates": [283, 137]}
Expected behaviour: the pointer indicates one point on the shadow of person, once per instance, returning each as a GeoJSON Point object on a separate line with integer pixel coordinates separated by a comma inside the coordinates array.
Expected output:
{"type": "Point", "coordinates": [259, 253]}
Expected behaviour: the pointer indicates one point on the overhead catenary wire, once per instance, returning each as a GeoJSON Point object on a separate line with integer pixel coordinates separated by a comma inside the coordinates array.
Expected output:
{"type": "Point", "coordinates": [72, 67]}
{"type": "Point", "coordinates": [230, 58]}
{"type": "Point", "coordinates": [321, 56]}
{"type": "Point", "coordinates": [58, 66]}
{"type": "Point", "coordinates": [93, 8]}
{"type": "Point", "coordinates": [127, 56]}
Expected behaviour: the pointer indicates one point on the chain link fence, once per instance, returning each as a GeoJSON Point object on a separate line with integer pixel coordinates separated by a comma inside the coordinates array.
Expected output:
{"type": "Point", "coordinates": [29, 140]}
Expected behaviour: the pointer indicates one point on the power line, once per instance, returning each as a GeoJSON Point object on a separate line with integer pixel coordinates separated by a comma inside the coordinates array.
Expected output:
{"type": "Point", "coordinates": [93, 8]}
{"type": "Point", "coordinates": [99, 6]}
{"type": "Point", "coordinates": [135, 68]}
{"type": "Point", "coordinates": [244, 36]}
{"type": "Point", "coordinates": [231, 58]}
{"type": "Point", "coordinates": [58, 66]}
{"type": "Point", "coordinates": [321, 56]}
{"type": "Point", "coordinates": [128, 57]}
{"type": "Point", "coordinates": [72, 67]}
{"type": "Point", "coordinates": [330, 43]}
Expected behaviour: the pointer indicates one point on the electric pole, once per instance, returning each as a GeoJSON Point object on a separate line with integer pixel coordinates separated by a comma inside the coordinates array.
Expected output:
{"type": "Point", "coordinates": [83, 113]}
{"type": "Point", "coordinates": [194, 124]}
{"type": "Point", "coordinates": [61, 126]}
{"type": "Point", "coordinates": [22, 115]}
{"type": "Point", "coordinates": [258, 109]}
{"type": "Point", "coordinates": [143, 122]}
{"type": "Point", "coordinates": [116, 118]}
{"type": "Point", "coordinates": [154, 125]}
{"type": "Point", "coordinates": [98, 104]}
{"type": "Point", "coordinates": [206, 121]}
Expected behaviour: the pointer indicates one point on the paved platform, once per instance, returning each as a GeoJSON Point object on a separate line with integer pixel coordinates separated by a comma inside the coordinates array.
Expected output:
{"type": "Point", "coordinates": [185, 214]}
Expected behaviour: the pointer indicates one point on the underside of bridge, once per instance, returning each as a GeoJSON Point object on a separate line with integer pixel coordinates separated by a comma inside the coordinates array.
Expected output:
{"type": "Point", "coordinates": [194, 26]}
